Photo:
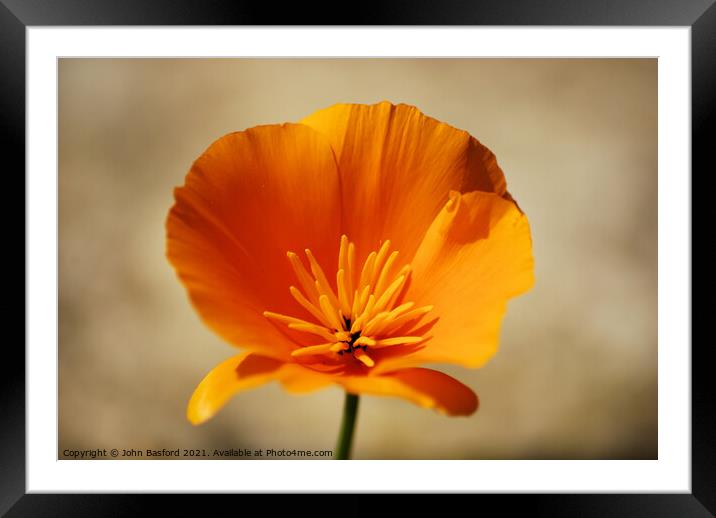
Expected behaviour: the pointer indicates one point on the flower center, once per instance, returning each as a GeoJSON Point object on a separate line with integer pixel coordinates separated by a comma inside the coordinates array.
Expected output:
{"type": "Point", "coordinates": [364, 312]}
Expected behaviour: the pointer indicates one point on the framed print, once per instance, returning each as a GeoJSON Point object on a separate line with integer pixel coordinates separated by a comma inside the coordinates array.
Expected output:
{"type": "Point", "coordinates": [452, 246]}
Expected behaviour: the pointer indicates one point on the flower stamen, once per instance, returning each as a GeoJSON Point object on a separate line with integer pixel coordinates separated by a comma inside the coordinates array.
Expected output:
{"type": "Point", "coordinates": [361, 313]}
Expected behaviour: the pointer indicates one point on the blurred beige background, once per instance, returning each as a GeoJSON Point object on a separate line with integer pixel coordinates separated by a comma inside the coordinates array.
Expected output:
{"type": "Point", "coordinates": [576, 375]}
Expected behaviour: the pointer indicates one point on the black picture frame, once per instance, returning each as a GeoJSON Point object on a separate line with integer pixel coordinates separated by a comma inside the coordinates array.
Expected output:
{"type": "Point", "coordinates": [17, 15]}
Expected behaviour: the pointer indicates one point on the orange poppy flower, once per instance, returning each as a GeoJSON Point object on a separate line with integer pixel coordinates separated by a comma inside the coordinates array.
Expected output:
{"type": "Point", "coordinates": [349, 249]}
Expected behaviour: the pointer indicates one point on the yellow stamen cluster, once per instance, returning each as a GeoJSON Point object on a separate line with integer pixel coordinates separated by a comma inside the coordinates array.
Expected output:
{"type": "Point", "coordinates": [360, 314]}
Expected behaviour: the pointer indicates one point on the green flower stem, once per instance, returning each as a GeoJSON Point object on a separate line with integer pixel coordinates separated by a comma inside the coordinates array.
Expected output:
{"type": "Point", "coordinates": [345, 436]}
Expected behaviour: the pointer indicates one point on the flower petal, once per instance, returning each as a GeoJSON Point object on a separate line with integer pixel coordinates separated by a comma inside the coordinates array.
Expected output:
{"type": "Point", "coordinates": [476, 255]}
{"type": "Point", "coordinates": [251, 197]}
{"type": "Point", "coordinates": [424, 387]}
{"type": "Point", "coordinates": [241, 372]}
{"type": "Point", "coordinates": [397, 167]}
{"type": "Point", "coordinates": [244, 372]}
